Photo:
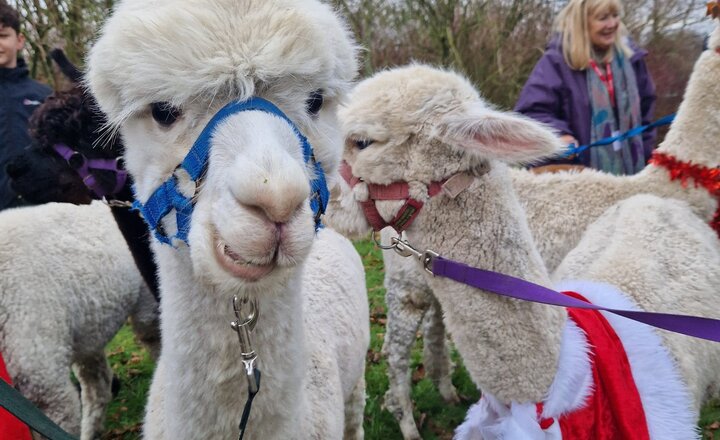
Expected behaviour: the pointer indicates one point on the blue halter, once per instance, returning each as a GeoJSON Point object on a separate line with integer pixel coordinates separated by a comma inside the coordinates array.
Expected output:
{"type": "Point", "coordinates": [167, 197]}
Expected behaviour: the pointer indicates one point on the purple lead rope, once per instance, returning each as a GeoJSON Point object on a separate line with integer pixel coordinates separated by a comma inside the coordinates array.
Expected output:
{"type": "Point", "coordinates": [505, 285]}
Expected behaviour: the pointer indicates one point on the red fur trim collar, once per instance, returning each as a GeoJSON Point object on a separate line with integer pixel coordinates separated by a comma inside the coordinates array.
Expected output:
{"type": "Point", "coordinates": [702, 176]}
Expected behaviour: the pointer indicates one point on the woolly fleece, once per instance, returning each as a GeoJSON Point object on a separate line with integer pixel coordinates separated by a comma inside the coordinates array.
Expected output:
{"type": "Point", "coordinates": [68, 284]}
{"type": "Point", "coordinates": [510, 348]}
{"type": "Point", "coordinates": [559, 208]}
{"type": "Point", "coordinates": [252, 230]}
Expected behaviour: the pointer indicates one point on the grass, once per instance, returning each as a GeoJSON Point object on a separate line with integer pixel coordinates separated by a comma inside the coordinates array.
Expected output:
{"type": "Point", "coordinates": [134, 368]}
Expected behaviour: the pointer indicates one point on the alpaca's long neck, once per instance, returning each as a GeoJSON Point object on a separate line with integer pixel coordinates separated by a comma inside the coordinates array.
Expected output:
{"type": "Point", "coordinates": [694, 133]}
{"type": "Point", "coordinates": [135, 233]}
{"type": "Point", "coordinates": [203, 351]}
{"type": "Point", "coordinates": [509, 347]}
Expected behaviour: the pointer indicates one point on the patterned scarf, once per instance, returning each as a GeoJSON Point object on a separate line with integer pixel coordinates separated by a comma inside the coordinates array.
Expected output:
{"type": "Point", "coordinates": [627, 156]}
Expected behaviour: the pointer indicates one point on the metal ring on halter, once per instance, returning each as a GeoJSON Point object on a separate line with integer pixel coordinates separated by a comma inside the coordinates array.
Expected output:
{"type": "Point", "coordinates": [379, 244]}
{"type": "Point", "coordinates": [403, 248]}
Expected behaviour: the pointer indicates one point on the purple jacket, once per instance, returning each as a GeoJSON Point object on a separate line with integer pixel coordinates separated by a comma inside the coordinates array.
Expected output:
{"type": "Point", "coordinates": [558, 96]}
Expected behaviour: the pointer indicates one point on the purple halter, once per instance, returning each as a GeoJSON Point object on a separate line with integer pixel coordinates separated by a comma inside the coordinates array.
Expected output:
{"type": "Point", "coordinates": [84, 167]}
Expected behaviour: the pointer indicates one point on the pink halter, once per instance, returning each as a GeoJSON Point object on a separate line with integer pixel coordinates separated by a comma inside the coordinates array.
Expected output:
{"type": "Point", "coordinates": [401, 191]}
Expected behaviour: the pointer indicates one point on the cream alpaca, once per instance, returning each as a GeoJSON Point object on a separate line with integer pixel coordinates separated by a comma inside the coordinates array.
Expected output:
{"type": "Point", "coordinates": [67, 285]}
{"type": "Point", "coordinates": [559, 207]}
{"type": "Point", "coordinates": [424, 125]}
{"type": "Point", "coordinates": [160, 70]}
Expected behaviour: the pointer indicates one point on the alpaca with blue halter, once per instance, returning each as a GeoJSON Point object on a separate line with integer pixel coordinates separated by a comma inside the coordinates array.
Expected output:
{"type": "Point", "coordinates": [248, 194]}
{"type": "Point", "coordinates": [168, 197]}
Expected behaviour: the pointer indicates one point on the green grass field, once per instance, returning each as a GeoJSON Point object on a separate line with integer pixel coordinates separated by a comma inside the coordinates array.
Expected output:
{"type": "Point", "coordinates": [134, 368]}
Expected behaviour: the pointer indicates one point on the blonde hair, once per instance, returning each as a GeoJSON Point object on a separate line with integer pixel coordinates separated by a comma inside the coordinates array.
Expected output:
{"type": "Point", "coordinates": [572, 24]}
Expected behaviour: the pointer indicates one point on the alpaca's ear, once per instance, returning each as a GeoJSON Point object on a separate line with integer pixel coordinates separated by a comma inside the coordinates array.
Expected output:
{"type": "Point", "coordinates": [66, 67]}
{"type": "Point", "coordinates": [509, 137]}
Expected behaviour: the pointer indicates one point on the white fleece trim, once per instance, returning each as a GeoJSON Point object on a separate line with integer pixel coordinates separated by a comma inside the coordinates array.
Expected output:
{"type": "Point", "coordinates": [491, 419]}
{"type": "Point", "coordinates": [664, 395]}
{"type": "Point", "coordinates": [665, 398]}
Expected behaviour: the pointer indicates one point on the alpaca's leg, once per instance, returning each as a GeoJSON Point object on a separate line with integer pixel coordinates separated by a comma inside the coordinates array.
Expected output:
{"type": "Point", "coordinates": [403, 320]}
{"type": "Point", "coordinates": [54, 394]}
{"type": "Point", "coordinates": [436, 354]}
{"type": "Point", "coordinates": [95, 377]}
{"type": "Point", "coordinates": [145, 321]}
{"type": "Point", "coordinates": [38, 360]}
{"type": "Point", "coordinates": [354, 411]}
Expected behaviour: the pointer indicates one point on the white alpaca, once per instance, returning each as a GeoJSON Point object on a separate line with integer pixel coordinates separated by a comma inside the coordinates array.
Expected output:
{"type": "Point", "coordinates": [419, 125]}
{"type": "Point", "coordinates": [67, 285]}
{"type": "Point", "coordinates": [623, 244]}
{"type": "Point", "coordinates": [559, 207]}
{"type": "Point", "coordinates": [160, 70]}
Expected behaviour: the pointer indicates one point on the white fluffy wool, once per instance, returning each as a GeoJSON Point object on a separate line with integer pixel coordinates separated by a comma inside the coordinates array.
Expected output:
{"type": "Point", "coordinates": [252, 230]}
{"type": "Point", "coordinates": [510, 348]}
{"type": "Point", "coordinates": [559, 207]}
{"type": "Point", "coordinates": [68, 284]}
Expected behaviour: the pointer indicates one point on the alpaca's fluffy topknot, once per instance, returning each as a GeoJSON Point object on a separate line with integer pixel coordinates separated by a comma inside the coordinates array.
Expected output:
{"type": "Point", "coordinates": [180, 51]}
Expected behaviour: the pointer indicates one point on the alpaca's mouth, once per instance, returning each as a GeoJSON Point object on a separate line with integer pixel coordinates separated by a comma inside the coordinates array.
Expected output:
{"type": "Point", "coordinates": [238, 266]}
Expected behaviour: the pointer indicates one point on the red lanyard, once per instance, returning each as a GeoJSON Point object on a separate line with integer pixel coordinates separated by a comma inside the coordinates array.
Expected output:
{"type": "Point", "coordinates": [607, 79]}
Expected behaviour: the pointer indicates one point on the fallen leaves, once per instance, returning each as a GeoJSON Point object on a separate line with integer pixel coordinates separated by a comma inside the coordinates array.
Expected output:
{"type": "Point", "coordinates": [709, 431]}
{"type": "Point", "coordinates": [120, 433]}
{"type": "Point", "coordinates": [418, 374]}
{"type": "Point", "coordinates": [373, 356]}
{"type": "Point", "coordinates": [713, 9]}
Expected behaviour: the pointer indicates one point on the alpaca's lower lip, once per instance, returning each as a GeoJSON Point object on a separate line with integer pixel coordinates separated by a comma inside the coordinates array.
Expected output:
{"type": "Point", "coordinates": [237, 266]}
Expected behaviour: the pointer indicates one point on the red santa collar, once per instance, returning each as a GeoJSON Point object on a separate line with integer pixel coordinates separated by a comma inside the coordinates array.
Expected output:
{"type": "Point", "coordinates": [614, 409]}
{"type": "Point", "coordinates": [702, 176]}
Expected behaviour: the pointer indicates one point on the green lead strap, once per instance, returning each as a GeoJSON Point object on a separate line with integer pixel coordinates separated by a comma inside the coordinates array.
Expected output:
{"type": "Point", "coordinates": [24, 410]}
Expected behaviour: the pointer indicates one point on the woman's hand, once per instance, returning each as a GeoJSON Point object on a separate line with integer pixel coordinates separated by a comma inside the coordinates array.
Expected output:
{"type": "Point", "coordinates": [568, 139]}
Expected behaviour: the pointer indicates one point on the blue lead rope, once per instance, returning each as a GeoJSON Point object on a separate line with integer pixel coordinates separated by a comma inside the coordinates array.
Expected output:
{"type": "Point", "coordinates": [167, 197]}
{"type": "Point", "coordinates": [572, 150]}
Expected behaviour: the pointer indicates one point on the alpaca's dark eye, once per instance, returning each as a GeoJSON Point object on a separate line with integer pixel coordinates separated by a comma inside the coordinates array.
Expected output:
{"type": "Point", "coordinates": [314, 102]}
{"type": "Point", "coordinates": [362, 144]}
{"type": "Point", "coordinates": [164, 113]}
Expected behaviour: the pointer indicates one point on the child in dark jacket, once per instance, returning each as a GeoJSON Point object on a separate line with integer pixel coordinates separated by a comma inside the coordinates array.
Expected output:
{"type": "Point", "coordinates": [20, 96]}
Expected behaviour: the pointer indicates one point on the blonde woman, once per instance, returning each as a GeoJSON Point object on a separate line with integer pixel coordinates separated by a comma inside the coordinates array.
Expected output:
{"type": "Point", "coordinates": [592, 83]}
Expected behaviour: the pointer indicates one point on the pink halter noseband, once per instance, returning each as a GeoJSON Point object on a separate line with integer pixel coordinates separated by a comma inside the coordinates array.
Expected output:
{"type": "Point", "coordinates": [401, 191]}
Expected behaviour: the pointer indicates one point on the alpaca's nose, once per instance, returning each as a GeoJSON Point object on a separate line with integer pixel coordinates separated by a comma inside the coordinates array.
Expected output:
{"type": "Point", "coordinates": [266, 172]}
{"type": "Point", "coordinates": [280, 204]}
{"type": "Point", "coordinates": [278, 195]}
{"type": "Point", "coordinates": [16, 167]}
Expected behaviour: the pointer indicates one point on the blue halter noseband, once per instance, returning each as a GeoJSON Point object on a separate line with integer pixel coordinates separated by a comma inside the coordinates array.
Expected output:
{"type": "Point", "coordinates": [167, 197]}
